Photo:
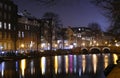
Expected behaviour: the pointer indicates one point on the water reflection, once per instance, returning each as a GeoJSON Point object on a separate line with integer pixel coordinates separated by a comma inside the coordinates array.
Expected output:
{"type": "Point", "coordinates": [115, 58]}
{"type": "Point", "coordinates": [23, 66]}
{"type": "Point", "coordinates": [2, 68]}
{"type": "Point", "coordinates": [43, 65]}
{"type": "Point", "coordinates": [106, 61]}
{"type": "Point", "coordinates": [66, 66]}
{"type": "Point", "coordinates": [83, 63]}
{"type": "Point", "coordinates": [59, 64]}
{"type": "Point", "coordinates": [94, 60]}
{"type": "Point", "coordinates": [71, 63]}
{"type": "Point", "coordinates": [56, 64]}
{"type": "Point", "coordinates": [75, 63]}
{"type": "Point", "coordinates": [32, 69]}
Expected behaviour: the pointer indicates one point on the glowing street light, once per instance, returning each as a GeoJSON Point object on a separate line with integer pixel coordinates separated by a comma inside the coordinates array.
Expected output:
{"type": "Point", "coordinates": [22, 45]}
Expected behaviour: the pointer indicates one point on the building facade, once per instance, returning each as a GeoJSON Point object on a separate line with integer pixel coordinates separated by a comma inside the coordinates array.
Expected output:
{"type": "Point", "coordinates": [79, 36]}
{"type": "Point", "coordinates": [28, 33]}
{"type": "Point", "coordinates": [8, 23]}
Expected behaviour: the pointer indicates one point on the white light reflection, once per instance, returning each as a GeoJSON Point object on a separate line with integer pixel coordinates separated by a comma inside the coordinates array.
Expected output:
{"type": "Point", "coordinates": [66, 64]}
{"type": "Point", "coordinates": [115, 58]}
{"type": "Point", "coordinates": [89, 63]}
{"type": "Point", "coordinates": [71, 63]}
{"type": "Point", "coordinates": [23, 66]}
{"type": "Point", "coordinates": [106, 61]}
{"type": "Point", "coordinates": [83, 63]}
{"type": "Point", "coordinates": [16, 64]}
{"type": "Point", "coordinates": [80, 65]}
{"type": "Point", "coordinates": [43, 65]}
{"type": "Point", "coordinates": [59, 64]}
{"type": "Point", "coordinates": [75, 63]}
{"type": "Point", "coordinates": [80, 72]}
{"type": "Point", "coordinates": [32, 67]}
{"type": "Point", "coordinates": [56, 64]}
{"type": "Point", "coordinates": [2, 68]}
{"type": "Point", "coordinates": [95, 60]}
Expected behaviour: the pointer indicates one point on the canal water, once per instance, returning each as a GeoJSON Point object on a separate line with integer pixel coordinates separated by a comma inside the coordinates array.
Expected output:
{"type": "Point", "coordinates": [65, 66]}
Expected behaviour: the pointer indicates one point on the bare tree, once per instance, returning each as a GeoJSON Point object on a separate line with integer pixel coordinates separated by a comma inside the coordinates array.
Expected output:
{"type": "Point", "coordinates": [112, 11]}
{"type": "Point", "coordinates": [95, 27]}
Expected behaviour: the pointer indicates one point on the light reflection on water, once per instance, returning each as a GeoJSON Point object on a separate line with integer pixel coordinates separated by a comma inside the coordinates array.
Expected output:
{"type": "Point", "coordinates": [115, 58]}
{"type": "Point", "coordinates": [43, 65]}
{"type": "Point", "coordinates": [81, 66]}
{"type": "Point", "coordinates": [66, 64]}
{"type": "Point", "coordinates": [94, 60]}
{"type": "Point", "coordinates": [2, 68]}
{"type": "Point", "coordinates": [106, 61]}
{"type": "Point", "coordinates": [56, 64]}
{"type": "Point", "coordinates": [23, 66]}
{"type": "Point", "coordinates": [83, 63]}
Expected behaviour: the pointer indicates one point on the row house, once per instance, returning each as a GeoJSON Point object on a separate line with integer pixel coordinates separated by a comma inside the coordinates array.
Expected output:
{"type": "Point", "coordinates": [28, 33]}
{"type": "Point", "coordinates": [8, 23]}
{"type": "Point", "coordinates": [79, 36]}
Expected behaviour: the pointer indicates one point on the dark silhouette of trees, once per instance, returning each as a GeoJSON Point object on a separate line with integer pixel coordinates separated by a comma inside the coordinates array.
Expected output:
{"type": "Point", "coordinates": [95, 27]}
{"type": "Point", "coordinates": [112, 11]}
{"type": "Point", "coordinates": [96, 30]}
{"type": "Point", "coordinates": [52, 27]}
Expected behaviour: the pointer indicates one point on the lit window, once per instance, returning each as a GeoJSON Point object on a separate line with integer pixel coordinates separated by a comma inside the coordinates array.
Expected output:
{"type": "Point", "coordinates": [5, 26]}
{"type": "Point", "coordinates": [9, 26]}
{"type": "Point", "coordinates": [0, 24]}
{"type": "Point", "coordinates": [23, 34]}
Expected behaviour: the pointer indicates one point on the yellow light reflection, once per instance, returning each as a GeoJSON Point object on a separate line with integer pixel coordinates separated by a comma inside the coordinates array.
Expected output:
{"type": "Point", "coordinates": [43, 65]}
{"type": "Point", "coordinates": [115, 58]}
{"type": "Point", "coordinates": [23, 66]}
{"type": "Point", "coordinates": [56, 64]}
{"type": "Point", "coordinates": [83, 63]}
{"type": "Point", "coordinates": [106, 61]}
{"type": "Point", "coordinates": [94, 60]}
{"type": "Point", "coordinates": [66, 64]}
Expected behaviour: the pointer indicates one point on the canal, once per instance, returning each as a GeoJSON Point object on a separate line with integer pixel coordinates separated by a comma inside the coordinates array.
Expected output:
{"type": "Point", "coordinates": [65, 66]}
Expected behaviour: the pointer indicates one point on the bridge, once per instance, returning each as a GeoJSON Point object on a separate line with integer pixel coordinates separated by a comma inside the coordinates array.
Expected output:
{"type": "Point", "coordinates": [97, 49]}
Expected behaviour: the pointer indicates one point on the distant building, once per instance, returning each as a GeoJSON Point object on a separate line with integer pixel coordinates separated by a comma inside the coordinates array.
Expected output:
{"type": "Point", "coordinates": [108, 39]}
{"type": "Point", "coordinates": [8, 24]}
{"type": "Point", "coordinates": [28, 33]}
{"type": "Point", "coordinates": [79, 36]}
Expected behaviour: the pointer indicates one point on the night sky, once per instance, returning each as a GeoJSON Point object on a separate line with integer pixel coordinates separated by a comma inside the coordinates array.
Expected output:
{"type": "Point", "coordinates": [72, 12]}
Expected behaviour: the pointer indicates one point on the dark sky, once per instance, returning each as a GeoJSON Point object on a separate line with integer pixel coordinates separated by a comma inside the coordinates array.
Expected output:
{"type": "Point", "coordinates": [71, 12]}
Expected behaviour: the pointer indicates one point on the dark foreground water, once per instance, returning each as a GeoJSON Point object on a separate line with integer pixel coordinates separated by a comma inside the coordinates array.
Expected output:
{"type": "Point", "coordinates": [66, 66]}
